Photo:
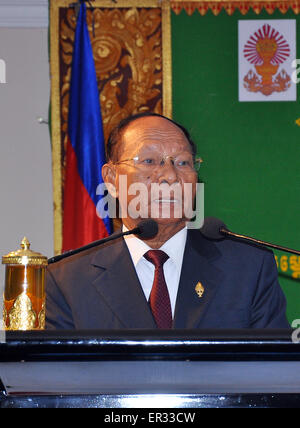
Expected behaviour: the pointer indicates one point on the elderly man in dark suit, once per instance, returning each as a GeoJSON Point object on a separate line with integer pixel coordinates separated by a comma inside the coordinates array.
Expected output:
{"type": "Point", "coordinates": [177, 279]}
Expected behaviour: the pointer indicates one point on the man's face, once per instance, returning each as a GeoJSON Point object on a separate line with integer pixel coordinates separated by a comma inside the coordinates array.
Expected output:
{"type": "Point", "coordinates": [162, 192]}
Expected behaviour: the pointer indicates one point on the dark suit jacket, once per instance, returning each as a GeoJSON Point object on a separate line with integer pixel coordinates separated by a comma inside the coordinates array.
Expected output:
{"type": "Point", "coordinates": [99, 289]}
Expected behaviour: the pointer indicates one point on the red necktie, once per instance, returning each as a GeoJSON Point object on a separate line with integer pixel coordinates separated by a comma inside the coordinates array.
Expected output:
{"type": "Point", "coordinates": [159, 297]}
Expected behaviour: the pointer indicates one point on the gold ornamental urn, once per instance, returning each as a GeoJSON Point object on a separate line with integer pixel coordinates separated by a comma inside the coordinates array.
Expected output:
{"type": "Point", "coordinates": [24, 290]}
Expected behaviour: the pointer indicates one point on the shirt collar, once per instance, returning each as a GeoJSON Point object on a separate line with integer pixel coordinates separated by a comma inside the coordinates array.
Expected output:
{"type": "Point", "coordinates": [174, 247]}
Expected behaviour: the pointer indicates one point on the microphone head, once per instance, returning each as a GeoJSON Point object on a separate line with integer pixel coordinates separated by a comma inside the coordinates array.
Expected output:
{"type": "Point", "coordinates": [147, 229]}
{"type": "Point", "coordinates": [211, 228]}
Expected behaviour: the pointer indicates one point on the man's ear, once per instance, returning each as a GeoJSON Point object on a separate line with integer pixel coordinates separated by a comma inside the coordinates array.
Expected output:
{"type": "Point", "coordinates": [109, 178]}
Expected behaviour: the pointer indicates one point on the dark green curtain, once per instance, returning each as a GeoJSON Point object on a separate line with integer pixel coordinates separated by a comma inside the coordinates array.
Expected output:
{"type": "Point", "coordinates": [251, 150]}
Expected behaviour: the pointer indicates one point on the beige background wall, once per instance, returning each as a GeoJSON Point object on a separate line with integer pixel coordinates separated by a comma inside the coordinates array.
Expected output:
{"type": "Point", "coordinates": [25, 151]}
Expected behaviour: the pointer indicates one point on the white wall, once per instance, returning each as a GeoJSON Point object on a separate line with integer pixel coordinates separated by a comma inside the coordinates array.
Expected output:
{"type": "Point", "coordinates": [25, 152]}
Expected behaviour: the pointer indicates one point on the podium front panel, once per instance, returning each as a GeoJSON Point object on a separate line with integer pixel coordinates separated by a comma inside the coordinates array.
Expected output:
{"type": "Point", "coordinates": [124, 368]}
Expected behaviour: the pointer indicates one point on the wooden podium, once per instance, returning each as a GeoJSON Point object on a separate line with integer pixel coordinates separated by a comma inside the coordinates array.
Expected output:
{"type": "Point", "coordinates": [150, 369]}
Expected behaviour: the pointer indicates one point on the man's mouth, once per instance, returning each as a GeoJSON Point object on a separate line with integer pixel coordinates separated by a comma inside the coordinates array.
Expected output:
{"type": "Point", "coordinates": [166, 201]}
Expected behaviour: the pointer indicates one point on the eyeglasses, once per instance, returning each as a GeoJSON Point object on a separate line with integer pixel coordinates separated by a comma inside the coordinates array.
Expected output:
{"type": "Point", "coordinates": [183, 162]}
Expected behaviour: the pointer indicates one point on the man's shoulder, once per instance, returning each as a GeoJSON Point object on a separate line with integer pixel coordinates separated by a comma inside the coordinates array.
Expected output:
{"type": "Point", "coordinates": [229, 247]}
{"type": "Point", "coordinates": [70, 262]}
{"type": "Point", "coordinates": [80, 262]}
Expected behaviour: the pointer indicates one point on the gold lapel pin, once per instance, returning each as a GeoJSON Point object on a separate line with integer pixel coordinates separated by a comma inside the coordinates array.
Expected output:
{"type": "Point", "coordinates": [199, 289]}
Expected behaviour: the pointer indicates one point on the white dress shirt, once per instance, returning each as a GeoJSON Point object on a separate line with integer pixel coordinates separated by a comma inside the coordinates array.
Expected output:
{"type": "Point", "coordinates": [174, 247]}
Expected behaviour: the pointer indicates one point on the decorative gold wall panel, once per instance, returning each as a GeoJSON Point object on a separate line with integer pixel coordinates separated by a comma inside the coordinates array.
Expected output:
{"type": "Point", "coordinates": [131, 43]}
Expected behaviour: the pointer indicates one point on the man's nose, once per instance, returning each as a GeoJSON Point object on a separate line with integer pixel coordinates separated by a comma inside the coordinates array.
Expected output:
{"type": "Point", "coordinates": [167, 172]}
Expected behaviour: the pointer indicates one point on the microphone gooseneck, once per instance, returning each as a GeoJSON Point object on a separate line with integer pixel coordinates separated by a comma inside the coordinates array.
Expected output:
{"type": "Point", "coordinates": [145, 229]}
{"type": "Point", "coordinates": [214, 228]}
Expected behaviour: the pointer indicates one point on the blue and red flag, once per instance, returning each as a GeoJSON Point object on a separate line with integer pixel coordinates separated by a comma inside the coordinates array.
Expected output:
{"type": "Point", "coordinates": [85, 148]}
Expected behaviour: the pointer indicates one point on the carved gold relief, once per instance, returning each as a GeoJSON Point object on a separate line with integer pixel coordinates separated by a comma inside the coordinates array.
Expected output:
{"type": "Point", "coordinates": [22, 316]}
{"type": "Point", "coordinates": [4, 315]}
{"type": "Point", "coordinates": [42, 318]}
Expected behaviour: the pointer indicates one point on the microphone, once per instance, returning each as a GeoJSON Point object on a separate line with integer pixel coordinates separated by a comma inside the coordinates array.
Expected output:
{"type": "Point", "coordinates": [146, 229]}
{"type": "Point", "coordinates": [213, 228]}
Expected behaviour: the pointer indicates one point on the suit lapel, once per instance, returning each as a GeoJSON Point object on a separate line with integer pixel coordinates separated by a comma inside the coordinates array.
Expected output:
{"type": "Point", "coordinates": [117, 282]}
{"type": "Point", "coordinates": [197, 268]}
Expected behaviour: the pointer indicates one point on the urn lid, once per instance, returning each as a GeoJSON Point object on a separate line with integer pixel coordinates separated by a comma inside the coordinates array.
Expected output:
{"type": "Point", "coordinates": [25, 256]}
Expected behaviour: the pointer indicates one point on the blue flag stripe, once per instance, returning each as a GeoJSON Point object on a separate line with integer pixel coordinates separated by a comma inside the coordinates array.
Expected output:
{"type": "Point", "coordinates": [85, 121]}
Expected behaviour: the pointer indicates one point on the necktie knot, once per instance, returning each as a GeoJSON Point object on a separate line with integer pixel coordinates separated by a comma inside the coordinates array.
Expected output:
{"type": "Point", "coordinates": [157, 257]}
